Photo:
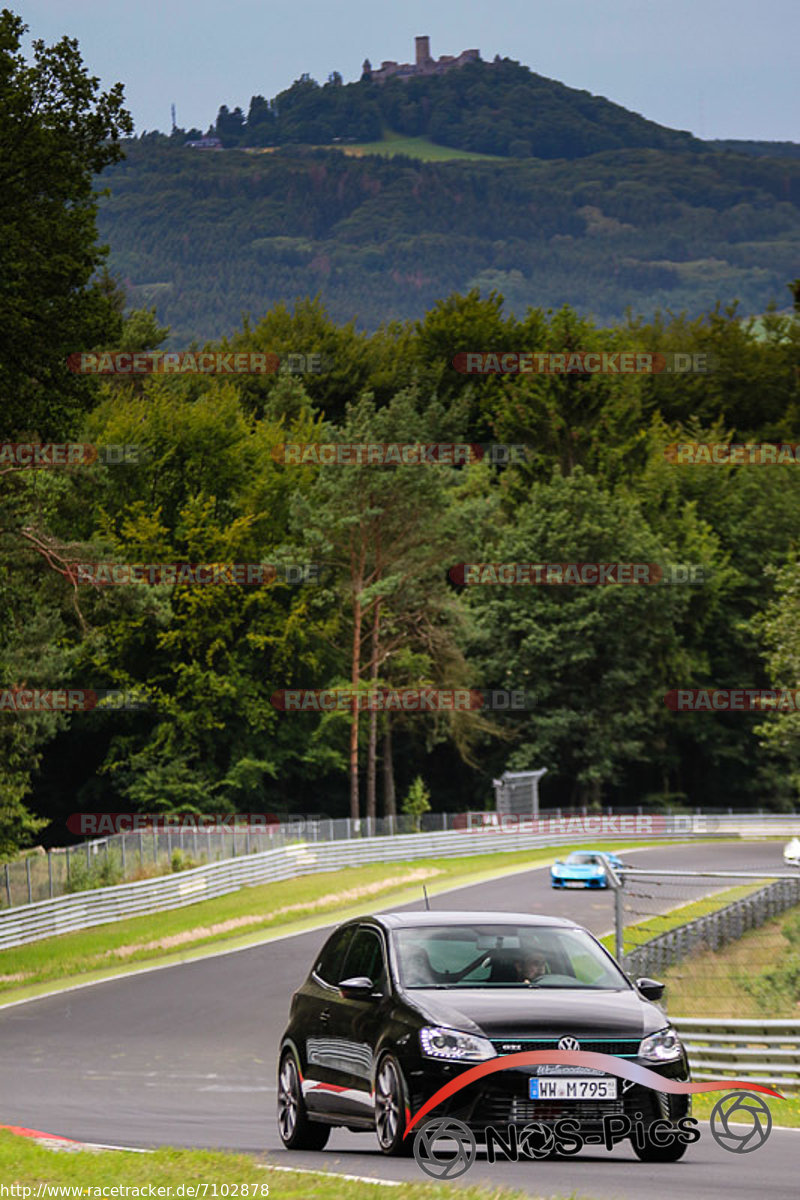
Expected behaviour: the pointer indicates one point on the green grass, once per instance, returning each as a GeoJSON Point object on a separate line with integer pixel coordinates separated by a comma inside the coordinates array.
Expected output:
{"type": "Point", "coordinates": [711, 984]}
{"type": "Point", "coordinates": [97, 953]}
{"type": "Point", "coordinates": [28, 1164]}
{"type": "Point", "coordinates": [784, 1112]}
{"type": "Point", "coordinates": [650, 927]}
{"type": "Point", "coordinates": [415, 147]}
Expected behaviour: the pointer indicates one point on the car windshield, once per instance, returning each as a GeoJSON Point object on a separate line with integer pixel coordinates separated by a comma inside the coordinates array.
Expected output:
{"type": "Point", "coordinates": [490, 956]}
{"type": "Point", "coordinates": [585, 858]}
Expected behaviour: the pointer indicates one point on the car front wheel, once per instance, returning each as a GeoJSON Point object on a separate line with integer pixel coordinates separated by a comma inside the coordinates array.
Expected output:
{"type": "Point", "coordinates": [297, 1132]}
{"type": "Point", "coordinates": [391, 1108]}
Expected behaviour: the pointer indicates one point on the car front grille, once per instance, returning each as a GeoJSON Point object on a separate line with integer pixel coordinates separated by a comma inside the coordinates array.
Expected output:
{"type": "Point", "coordinates": [555, 1110]}
{"type": "Point", "coordinates": [622, 1048]}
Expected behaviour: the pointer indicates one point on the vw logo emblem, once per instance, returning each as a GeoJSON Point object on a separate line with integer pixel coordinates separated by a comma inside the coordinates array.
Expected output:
{"type": "Point", "coordinates": [743, 1107]}
{"type": "Point", "coordinates": [446, 1163]}
{"type": "Point", "coordinates": [569, 1043]}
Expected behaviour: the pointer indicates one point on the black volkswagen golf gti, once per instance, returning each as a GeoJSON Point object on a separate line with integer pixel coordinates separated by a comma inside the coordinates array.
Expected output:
{"type": "Point", "coordinates": [397, 1005]}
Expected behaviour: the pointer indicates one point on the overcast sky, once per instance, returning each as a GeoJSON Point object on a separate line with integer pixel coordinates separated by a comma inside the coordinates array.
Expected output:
{"type": "Point", "coordinates": [719, 68]}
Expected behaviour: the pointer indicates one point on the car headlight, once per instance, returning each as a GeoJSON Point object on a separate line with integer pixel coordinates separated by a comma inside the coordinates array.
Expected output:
{"type": "Point", "coordinates": [664, 1046]}
{"type": "Point", "coordinates": [438, 1042]}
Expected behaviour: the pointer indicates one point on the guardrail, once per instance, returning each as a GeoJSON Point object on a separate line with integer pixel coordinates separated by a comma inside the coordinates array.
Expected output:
{"type": "Point", "coordinates": [715, 929]}
{"type": "Point", "coordinates": [81, 910]}
{"type": "Point", "coordinates": [116, 857]}
{"type": "Point", "coordinates": [757, 1051]}
{"type": "Point", "coordinates": [30, 922]}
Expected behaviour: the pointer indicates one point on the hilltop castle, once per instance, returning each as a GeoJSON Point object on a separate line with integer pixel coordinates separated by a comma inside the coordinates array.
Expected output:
{"type": "Point", "coordinates": [424, 65]}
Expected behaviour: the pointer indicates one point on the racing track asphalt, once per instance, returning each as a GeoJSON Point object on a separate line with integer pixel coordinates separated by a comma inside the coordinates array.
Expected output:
{"type": "Point", "coordinates": [187, 1056]}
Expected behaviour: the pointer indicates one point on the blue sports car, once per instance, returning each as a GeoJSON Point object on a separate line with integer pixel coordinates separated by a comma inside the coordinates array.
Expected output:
{"type": "Point", "coordinates": [583, 868]}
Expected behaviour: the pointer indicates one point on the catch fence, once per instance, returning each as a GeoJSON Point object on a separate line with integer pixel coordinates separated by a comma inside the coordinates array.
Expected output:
{"type": "Point", "coordinates": [143, 853]}
{"type": "Point", "coordinates": [30, 922]}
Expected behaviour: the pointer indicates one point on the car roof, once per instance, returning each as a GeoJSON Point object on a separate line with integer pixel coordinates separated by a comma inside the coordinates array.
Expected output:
{"type": "Point", "coordinates": [401, 920]}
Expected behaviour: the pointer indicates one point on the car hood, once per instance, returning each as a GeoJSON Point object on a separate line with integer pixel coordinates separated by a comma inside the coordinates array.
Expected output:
{"type": "Point", "coordinates": [539, 1012]}
{"type": "Point", "coordinates": [578, 868]}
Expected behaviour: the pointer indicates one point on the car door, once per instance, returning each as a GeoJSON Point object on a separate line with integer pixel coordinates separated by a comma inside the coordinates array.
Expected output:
{"type": "Point", "coordinates": [353, 1027]}
{"type": "Point", "coordinates": [322, 1067]}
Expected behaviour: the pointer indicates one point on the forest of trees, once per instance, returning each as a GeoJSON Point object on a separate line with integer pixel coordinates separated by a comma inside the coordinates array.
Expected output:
{"type": "Point", "coordinates": [597, 487]}
{"type": "Point", "coordinates": [206, 486]}
{"type": "Point", "coordinates": [206, 237]}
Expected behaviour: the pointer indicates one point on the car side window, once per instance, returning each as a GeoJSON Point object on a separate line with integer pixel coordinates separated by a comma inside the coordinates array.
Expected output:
{"type": "Point", "coordinates": [331, 960]}
{"type": "Point", "coordinates": [365, 957]}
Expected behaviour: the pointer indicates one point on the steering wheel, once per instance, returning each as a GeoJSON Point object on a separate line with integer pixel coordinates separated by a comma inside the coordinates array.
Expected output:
{"type": "Point", "coordinates": [480, 961]}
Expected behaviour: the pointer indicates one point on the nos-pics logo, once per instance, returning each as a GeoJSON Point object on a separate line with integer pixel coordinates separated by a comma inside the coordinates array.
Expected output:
{"type": "Point", "coordinates": [446, 1148]}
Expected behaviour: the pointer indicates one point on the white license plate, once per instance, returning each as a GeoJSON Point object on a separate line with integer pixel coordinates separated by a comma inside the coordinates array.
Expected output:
{"type": "Point", "coordinates": [575, 883]}
{"type": "Point", "coordinates": [574, 1088]}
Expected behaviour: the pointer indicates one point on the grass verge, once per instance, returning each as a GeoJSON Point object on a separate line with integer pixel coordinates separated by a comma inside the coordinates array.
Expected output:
{"type": "Point", "coordinates": [291, 906]}
{"type": "Point", "coordinates": [784, 1112]}
{"type": "Point", "coordinates": [725, 983]}
{"type": "Point", "coordinates": [652, 926]}
{"type": "Point", "coordinates": [27, 1164]}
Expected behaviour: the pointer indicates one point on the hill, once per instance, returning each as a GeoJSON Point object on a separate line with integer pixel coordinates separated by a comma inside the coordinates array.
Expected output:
{"type": "Point", "coordinates": [500, 108]}
{"type": "Point", "coordinates": [206, 237]}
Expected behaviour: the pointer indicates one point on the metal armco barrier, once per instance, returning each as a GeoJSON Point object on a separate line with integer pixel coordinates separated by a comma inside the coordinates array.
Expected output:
{"type": "Point", "coordinates": [81, 910]}
{"type": "Point", "coordinates": [758, 1051]}
{"type": "Point", "coordinates": [715, 929]}
{"type": "Point", "coordinates": [30, 922]}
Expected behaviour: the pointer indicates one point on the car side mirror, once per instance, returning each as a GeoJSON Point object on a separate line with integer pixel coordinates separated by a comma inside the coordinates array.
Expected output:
{"type": "Point", "coordinates": [651, 989]}
{"type": "Point", "coordinates": [357, 988]}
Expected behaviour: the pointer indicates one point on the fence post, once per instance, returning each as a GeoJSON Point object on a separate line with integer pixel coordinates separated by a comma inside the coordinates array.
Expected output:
{"type": "Point", "coordinates": [141, 850]}
{"type": "Point", "coordinates": [618, 883]}
{"type": "Point", "coordinates": [28, 874]}
{"type": "Point", "coordinates": [155, 846]}
{"type": "Point", "coordinates": [50, 871]}
{"type": "Point", "coordinates": [8, 887]}
{"type": "Point", "coordinates": [68, 876]}
{"type": "Point", "coordinates": [124, 860]}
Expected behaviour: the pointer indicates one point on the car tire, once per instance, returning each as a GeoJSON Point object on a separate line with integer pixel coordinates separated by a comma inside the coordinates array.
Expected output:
{"type": "Point", "coordinates": [295, 1129]}
{"type": "Point", "coordinates": [660, 1154]}
{"type": "Point", "coordinates": [391, 1108]}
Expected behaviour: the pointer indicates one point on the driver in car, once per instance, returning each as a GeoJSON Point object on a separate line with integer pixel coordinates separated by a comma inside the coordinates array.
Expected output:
{"type": "Point", "coordinates": [531, 966]}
